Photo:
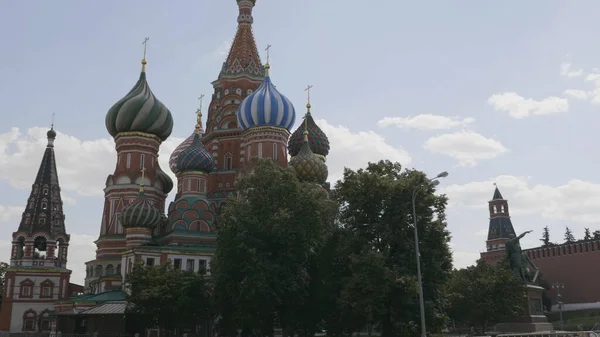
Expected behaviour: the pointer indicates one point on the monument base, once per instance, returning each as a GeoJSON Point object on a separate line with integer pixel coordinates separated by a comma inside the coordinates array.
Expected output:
{"type": "Point", "coordinates": [534, 321]}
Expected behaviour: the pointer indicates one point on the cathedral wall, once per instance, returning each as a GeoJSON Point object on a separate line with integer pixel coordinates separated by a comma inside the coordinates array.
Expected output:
{"type": "Point", "coordinates": [574, 265]}
{"type": "Point", "coordinates": [18, 313]}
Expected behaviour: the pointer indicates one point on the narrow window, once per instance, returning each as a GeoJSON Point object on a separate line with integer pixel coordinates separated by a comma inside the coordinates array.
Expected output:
{"type": "Point", "coordinates": [260, 150]}
{"type": "Point", "coordinates": [142, 161]}
{"type": "Point", "coordinates": [228, 161]}
{"type": "Point", "coordinates": [150, 261]}
{"type": "Point", "coordinates": [177, 264]}
{"type": "Point", "coordinates": [190, 265]}
{"type": "Point", "coordinates": [129, 160]}
{"type": "Point", "coordinates": [275, 151]}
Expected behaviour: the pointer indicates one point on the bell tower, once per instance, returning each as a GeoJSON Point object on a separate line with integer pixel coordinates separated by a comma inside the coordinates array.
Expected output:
{"type": "Point", "coordinates": [500, 228]}
{"type": "Point", "coordinates": [37, 275]}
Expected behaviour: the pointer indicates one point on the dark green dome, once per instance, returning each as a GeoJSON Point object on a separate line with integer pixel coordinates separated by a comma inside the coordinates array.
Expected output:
{"type": "Point", "coordinates": [317, 139]}
{"type": "Point", "coordinates": [140, 111]}
{"type": "Point", "coordinates": [308, 166]}
{"type": "Point", "coordinates": [140, 213]}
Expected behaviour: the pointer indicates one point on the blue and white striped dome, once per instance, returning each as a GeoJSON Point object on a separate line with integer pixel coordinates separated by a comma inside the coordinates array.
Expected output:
{"type": "Point", "coordinates": [266, 107]}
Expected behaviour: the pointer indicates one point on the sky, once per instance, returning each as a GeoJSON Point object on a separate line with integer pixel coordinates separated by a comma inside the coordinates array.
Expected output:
{"type": "Point", "coordinates": [492, 92]}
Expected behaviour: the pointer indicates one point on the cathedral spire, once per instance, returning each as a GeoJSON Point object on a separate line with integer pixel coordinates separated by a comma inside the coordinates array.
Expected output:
{"type": "Point", "coordinates": [43, 212]}
{"type": "Point", "coordinates": [243, 58]}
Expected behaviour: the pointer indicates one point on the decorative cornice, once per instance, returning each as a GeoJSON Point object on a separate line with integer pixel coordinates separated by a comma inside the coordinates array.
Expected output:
{"type": "Point", "coordinates": [137, 134]}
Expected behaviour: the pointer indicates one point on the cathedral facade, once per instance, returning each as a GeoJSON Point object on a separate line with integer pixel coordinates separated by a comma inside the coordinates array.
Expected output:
{"type": "Point", "coordinates": [247, 117]}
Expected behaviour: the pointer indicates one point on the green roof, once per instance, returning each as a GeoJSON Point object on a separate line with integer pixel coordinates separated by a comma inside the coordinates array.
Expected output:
{"type": "Point", "coordinates": [113, 295]}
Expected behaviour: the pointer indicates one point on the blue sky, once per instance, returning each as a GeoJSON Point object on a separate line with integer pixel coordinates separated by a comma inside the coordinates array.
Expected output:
{"type": "Point", "coordinates": [489, 91]}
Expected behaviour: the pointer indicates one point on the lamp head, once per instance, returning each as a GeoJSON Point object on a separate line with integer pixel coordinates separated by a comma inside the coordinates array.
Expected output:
{"type": "Point", "coordinates": [442, 175]}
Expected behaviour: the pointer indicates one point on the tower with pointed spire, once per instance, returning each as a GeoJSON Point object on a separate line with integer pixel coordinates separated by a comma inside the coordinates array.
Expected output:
{"type": "Point", "coordinates": [240, 75]}
{"type": "Point", "coordinates": [499, 230]}
{"type": "Point", "coordinates": [37, 275]}
{"type": "Point", "coordinates": [138, 123]}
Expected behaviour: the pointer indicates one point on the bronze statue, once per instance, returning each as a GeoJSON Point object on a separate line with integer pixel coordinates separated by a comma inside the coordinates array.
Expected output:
{"type": "Point", "coordinates": [518, 261]}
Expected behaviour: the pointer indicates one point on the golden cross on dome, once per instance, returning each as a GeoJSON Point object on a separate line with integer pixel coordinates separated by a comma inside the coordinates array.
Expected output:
{"type": "Point", "coordinates": [268, 53]}
{"type": "Point", "coordinates": [52, 125]}
{"type": "Point", "coordinates": [145, 43]}
{"type": "Point", "coordinates": [308, 93]}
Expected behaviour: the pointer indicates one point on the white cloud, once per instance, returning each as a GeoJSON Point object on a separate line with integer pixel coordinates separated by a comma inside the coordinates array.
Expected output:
{"type": "Point", "coordinates": [519, 107]}
{"type": "Point", "coordinates": [82, 165]}
{"type": "Point", "coordinates": [467, 147]}
{"type": "Point", "coordinates": [566, 70]}
{"type": "Point", "coordinates": [575, 200]}
{"type": "Point", "coordinates": [577, 94]}
{"type": "Point", "coordinates": [355, 149]}
{"type": "Point", "coordinates": [11, 213]}
{"type": "Point", "coordinates": [462, 259]}
{"type": "Point", "coordinates": [426, 122]}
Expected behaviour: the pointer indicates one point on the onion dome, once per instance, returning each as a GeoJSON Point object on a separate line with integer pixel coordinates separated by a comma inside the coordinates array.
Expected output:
{"type": "Point", "coordinates": [51, 134]}
{"type": "Point", "coordinates": [165, 181]}
{"type": "Point", "coordinates": [317, 139]}
{"type": "Point", "coordinates": [175, 155]}
{"type": "Point", "coordinates": [195, 158]}
{"type": "Point", "coordinates": [140, 111]}
{"type": "Point", "coordinates": [308, 166]}
{"type": "Point", "coordinates": [140, 213]}
{"type": "Point", "coordinates": [266, 107]}
{"type": "Point", "coordinates": [186, 143]}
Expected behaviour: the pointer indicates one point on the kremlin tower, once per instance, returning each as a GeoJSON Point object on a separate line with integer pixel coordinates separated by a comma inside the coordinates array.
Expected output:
{"type": "Point", "coordinates": [499, 231]}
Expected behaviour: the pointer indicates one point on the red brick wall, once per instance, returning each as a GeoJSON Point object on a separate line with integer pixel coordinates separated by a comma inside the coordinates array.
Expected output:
{"type": "Point", "coordinates": [574, 265]}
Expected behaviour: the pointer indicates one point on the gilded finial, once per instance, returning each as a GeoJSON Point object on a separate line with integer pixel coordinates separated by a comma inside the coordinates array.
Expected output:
{"type": "Point", "coordinates": [145, 43]}
{"type": "Point", "coordinates": [267, 65]}
{"type": "Point", "coordinates": [143, 177]}
{"type": "Point", "coordinates": [308, 98]}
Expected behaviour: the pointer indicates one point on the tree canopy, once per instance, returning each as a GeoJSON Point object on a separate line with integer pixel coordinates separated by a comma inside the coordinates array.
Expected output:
{"type": "Point", "coordinates": [169, 298]}
{"type": "Point", "coordinates": [269, 238]}
{"type": "Point", "coordinates": [483, 295]}
{"type": "Point", "coordinates": [374, 273]}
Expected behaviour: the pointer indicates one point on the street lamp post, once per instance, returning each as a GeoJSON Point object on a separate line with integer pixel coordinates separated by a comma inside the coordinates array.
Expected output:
{"type": "Point", "coordinates": [558, 286]}
{"type": "Point", "coordinates": [435, 182]}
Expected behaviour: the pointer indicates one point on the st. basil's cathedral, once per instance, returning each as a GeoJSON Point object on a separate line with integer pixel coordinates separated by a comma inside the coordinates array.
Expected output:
{"type": "Point", "coordinates": [247, 117]}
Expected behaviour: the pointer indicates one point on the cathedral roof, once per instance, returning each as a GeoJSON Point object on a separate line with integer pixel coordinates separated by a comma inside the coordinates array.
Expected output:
{"type": "Point", "coordinates": [307, 165]}
{"type": "Point", "coordinates": [140, 111]}
{"type": "Point", "coordinates": [317, 139]}
{"type": "Point", "coordinates": [195, 158]}
{"type": "Point", "coordinates": [266, 107]}
{"type": "Point", "coordinates": [141, 213]}
{"type": "Point", "coordinates": [44, 209]}
{"type": "Point", "coordinates": [497, 195]}
{"type": "Point", "coordinates": [243, 57]}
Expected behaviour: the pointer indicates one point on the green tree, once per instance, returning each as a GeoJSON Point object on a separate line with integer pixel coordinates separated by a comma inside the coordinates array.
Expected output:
{"type": "Point", "coordinates": [3, 268]}
{"type": "Point", "coordinates": [483, 295]}
{"type": "Point", "coordinates": [569, 237]}
{"type": "Point", "coordinates": [587, 235]}
{"type": "Point", "coordinates": [377, 271]}
{"type": "Point", "coordinates": [265, 266]}
{"type": "Point", "coordinates": [546, 237]}
{"type": "Point", "coordinates": [169, 298]}
{"type": "Point", "coordinates": [596, 235]}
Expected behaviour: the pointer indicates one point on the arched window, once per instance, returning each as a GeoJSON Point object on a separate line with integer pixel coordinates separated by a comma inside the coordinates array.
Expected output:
{"type": "Point", "coordinates": [46, 289]}
{"type": "Point", "coordinates": [228, 161]}
{"type": "Point", "coordinates": [29, 318]}
{"type": "Point", "coordinates": [26, 288]}
{"type": "Point", "coordinates": [44, 321]}
{"type": "Point", "coordinates": [99, 271]}
{"type": "Point", "coordinates": [110, 270]}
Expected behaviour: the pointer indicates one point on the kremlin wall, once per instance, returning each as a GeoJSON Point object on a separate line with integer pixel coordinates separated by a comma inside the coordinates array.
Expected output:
{"type": "Point", "coordinates": [574, 265]}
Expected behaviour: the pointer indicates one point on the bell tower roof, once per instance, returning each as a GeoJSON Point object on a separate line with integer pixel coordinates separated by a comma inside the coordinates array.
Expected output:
{"type": "Point", "coordinates": [500, 224]}
{"type": "Point", "coordinates": [44, 208]}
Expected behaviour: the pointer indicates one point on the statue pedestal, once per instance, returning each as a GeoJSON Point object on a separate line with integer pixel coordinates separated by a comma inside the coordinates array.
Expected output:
{"type": "Point", "coordinates": [534, 321]}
